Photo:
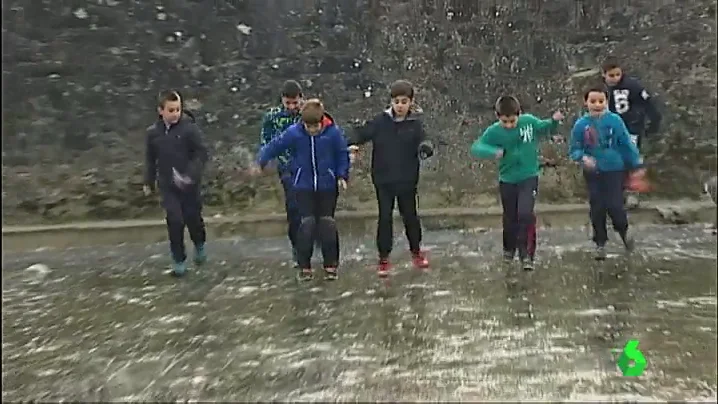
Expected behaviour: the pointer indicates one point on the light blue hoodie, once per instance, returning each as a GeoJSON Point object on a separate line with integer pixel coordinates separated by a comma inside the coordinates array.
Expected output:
{"type": "Point", "coordinates": [607, 140]}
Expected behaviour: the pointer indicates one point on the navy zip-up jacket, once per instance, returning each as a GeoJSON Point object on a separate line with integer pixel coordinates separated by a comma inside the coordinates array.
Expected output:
{"type": "Point", "coordinates": [316, 162]}
{"type": "Point", "coordinates": [177, 146]}
{"type": "Point", "coordinates": [634, 104]}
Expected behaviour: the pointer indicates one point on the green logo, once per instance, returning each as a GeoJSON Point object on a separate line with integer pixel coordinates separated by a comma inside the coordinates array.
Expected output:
{"type": "Point", "coordinates": [632, 362]}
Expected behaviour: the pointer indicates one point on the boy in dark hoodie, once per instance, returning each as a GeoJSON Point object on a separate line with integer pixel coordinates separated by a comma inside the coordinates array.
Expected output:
{"type": "Point", "coordinates": [175, 150]}
{"type": "Point", "coordinates": [399, 143]}
{"type": "Point", "coordinates": [319, 166]}
{"type": "Point", "coordinates": [628, 98]}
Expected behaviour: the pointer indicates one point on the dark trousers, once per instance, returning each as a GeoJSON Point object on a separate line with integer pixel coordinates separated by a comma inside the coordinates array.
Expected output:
{"type": "Point", "coordinates": [519, 221]}
{"type": "Point", "coordinates": [605, 196]}
{"type": "Point", "coordinates": [291, 209]}
{"type": "Point", "coordinates": [403, 195]}
{"type": "Point", "coordinates": [183, 208]}
{"type": "Point", "coordinates": [316, 209]}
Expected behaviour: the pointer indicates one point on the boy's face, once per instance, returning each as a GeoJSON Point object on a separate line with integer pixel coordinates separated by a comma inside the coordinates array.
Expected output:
{"type": "Point", "coordinates": [613, 76]}
{"type": "Point", "coordinates": [508, 121]}
{"type": "Point", "coordinates": [401, 105]}
{"type": "Point", "coordinates": [292, 104]}
{"type": "Point", "coordinates": [171, 111]}
{"type": "Point", "coordinates": [313, 128]}
{"type": "Point", "coordinates": [596, 103]}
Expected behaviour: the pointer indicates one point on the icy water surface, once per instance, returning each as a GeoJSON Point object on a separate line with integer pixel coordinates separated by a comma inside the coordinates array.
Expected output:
{"type": "Point", "coordinates": [109, 324]}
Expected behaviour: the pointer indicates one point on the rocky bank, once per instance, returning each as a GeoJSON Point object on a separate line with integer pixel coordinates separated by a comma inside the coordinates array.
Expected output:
{"type": "Point", "coordinates": [79, 80]}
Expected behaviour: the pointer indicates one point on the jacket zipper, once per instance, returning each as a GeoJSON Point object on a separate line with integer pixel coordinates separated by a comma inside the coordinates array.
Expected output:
{"type": "Point", "coordinates": [296, 177]}
{"type": "Point", "coordinates": [314, 163]}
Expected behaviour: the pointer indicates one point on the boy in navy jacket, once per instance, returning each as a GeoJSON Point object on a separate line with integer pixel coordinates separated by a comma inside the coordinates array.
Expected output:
{"type": "Point", "coordinates": [319, 166]}
{"type": "Point", "coordinates": [175, 156]}
{"type": "Point", "coordinates": [602, 144]}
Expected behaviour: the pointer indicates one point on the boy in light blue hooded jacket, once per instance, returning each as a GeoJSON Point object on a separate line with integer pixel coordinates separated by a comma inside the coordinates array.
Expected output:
{"type": "Point", "coordinates": [601, 143]}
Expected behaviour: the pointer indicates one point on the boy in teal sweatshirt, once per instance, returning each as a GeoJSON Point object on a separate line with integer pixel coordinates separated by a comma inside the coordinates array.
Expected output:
{"type": "Point", "coordinates": [601, 143]}
{"type": "Point", "coordinates": [514, 141]}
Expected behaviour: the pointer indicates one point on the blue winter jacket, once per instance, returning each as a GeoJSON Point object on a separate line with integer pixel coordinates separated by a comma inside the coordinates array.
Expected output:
{"type": "Point", "coordinates": [316, 162]}
{"type": "Point", "coordinates": [607, 140]}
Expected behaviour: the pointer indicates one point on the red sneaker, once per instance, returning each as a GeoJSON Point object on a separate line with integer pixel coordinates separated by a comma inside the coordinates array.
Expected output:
{"type": "Point", "coordinates": [419, 259]}
{"type": "Point", "coordinates": [383, 267]}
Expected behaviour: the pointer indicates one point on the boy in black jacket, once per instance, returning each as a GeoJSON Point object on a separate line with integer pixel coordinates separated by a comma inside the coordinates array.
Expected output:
{"type": "Point", "coordinates": [175, 150]}
{"type": "Point", "coordinates": [399, 143]}
{"type": "Point", "coordinates": [628, 98]}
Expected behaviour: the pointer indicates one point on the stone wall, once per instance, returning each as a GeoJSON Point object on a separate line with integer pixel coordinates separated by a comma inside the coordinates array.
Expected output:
{"type": "Point", "coordinates": [80, 77]}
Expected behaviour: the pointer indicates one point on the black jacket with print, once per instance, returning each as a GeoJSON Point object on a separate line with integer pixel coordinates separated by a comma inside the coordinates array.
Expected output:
{"type": "Point", "coordinates": [396, 144]}
{"type": "Point", "coordinates": [177, 146]}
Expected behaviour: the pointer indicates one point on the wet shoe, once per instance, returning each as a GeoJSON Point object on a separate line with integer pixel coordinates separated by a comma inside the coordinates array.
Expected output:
{"type": "Point", "coordinates": [600, 253]}
{"type": "Point", "coordinates": [419, 260]}
{"type": "Point", "coordinates": [305, 274]}
{"type": "Point", "coordinates": [200, 255]}
{"type": "Point", "coordinates": [330, 273]}
{"type": "Point", "coordinates": [628, 242]}
{"type": "Point", "coordinates": [527, 264]}
{"type": "Point", "coordinates": [383, 267]}
{"type": "Point", "coordinates": [179, 269]}
{"type": "Point", "coordinates": [509, 256]}
{"type": "Point", "coordinates": [632, 201]}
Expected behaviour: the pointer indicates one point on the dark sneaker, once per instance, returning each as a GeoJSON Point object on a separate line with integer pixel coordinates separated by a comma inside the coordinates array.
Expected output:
{"type": "Point", "coordinates": [601, 253]}
{"type": "Point", "coordinates": [179, 269]}
{"type": "Point", "coordinates": [383, 267]}
{"type": "Point", "coordinates": [419, 260]}
{"type": "Point", "coordinates": [527, 264]}
{"type": "Point", "coordinates": [200, 254]}
{"type": "Point", "coordinates": [305, 274]}
{"type": "Point", "coordinates": [330, 273]}
{"type": "Point", "coordinates": [509, 256]}
{"type": "Point", "coordinates": [628, 242]}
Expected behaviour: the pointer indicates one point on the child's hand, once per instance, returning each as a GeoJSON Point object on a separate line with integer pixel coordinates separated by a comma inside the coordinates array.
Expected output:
{"type": "Point", "coordinates": [499, 154]}
{"type": "Point", "coordinates": [147, 190]}
{"type": "Point", "coordinates": [254, 170]}
{"type": "Point", "coordinates": [558, 116]}
{"type": "Point", "coordinates": [589, 162]}
{"type": "Point", "coordinates": [353, 152]}
{"type": "Point", "coordinates": [342, 183]}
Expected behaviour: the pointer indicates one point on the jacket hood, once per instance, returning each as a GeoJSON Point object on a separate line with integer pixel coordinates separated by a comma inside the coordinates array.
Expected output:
{"type": "Point", "coordinates": [415, 113]}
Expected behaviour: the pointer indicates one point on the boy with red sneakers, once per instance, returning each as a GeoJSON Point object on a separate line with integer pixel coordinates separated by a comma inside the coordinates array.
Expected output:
{"type": "Point", "coordinates": [399, 142]}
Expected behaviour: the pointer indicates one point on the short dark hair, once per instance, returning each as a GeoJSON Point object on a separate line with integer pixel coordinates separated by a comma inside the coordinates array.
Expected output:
{"type": "Point", "coordinates": [401, 88]}
{"type": "Point", "coordinates": [594, 89]}
{"type": "Point", "coordinates": [312, 111]}
{"type": "Point", "coordinates": [291, 89]}
{"type": "Point", "coordinates": [609, 63]}
{"type": "Point", "coordinates": [168, 96]}
{"type": "Point", "coordinates": [507, 105]}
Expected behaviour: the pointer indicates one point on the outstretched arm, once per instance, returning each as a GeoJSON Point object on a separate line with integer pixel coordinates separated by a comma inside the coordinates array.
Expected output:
{"type": "Point", "coordinates": [275, 147]}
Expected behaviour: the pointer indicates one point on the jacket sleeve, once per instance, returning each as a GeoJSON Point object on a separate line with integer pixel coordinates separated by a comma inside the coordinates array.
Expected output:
{"type": "Point", "coordinates": [424, 139]}
{"type": "Point", "coordinates": [363, 133]}
{"type": "Point", "coordinates": [544, 127]}
{"type": "Point", "coordinates": [629, 151]}
{"type": "Point", "coordinates": [150, 159]}
{"type": "Point", "coordinates": [198, 153]}
{"type": "Point", "coordinates": [267, 132]}
{"type": "Point", "coordinates": [576, 146]}
{"type": "Point", "coordinates": [642, 96]}
{"type": "Point", "coordinates": [485, 146]}
{"type": "Point", "coordinates": [275, 147]}
{"type": "Point", "coordinates": [341, 151]}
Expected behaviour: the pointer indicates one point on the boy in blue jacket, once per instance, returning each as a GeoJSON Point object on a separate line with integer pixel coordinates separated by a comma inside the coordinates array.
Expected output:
{"type": "Point", "coordinates": [319, 166]}
{"type": "Point", "coordinates": [602, 144]}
